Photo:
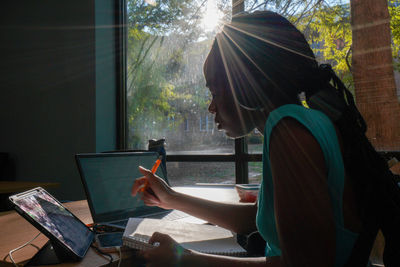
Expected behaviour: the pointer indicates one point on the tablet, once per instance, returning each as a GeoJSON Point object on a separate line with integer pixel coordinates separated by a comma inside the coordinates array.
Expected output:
{"type": "Point", "coordinates": [70, 237]}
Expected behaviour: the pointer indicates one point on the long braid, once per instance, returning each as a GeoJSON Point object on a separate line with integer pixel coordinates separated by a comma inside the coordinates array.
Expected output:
{"type": "Point", "coordinates": [357, 149]}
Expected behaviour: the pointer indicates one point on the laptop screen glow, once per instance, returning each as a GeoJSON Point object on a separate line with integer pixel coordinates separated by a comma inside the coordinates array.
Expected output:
{"type": "Point", "coordinates": [108, 179]}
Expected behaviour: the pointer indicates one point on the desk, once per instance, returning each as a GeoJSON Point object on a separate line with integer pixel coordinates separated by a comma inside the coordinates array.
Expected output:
{"type": "Point", "coordinates": [15, 230]}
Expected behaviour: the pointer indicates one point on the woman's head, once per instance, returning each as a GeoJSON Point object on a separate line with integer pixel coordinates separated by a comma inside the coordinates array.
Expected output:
{"type": "Point", "coordinates": [229, 115]}
{"type": "Point", "coordinates": [263, 60]}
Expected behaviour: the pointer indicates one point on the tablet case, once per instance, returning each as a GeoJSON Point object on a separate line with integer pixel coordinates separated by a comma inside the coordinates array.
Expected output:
{"type": "Point", "coordinates": [63, 252]}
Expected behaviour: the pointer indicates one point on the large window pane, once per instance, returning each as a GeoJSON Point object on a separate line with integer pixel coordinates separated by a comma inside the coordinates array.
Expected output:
{"type": "Point", "coordinates": [255, 172]}
{"type": "Point", "coordinates": [190, 173]}
{"type": "Point", "coordinates": [255, 142]}
{"type": "Point", "coordinates": [168, 42]}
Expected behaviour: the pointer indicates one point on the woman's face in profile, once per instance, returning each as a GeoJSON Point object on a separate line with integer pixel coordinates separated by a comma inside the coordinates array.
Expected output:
{"type": "Point", "coordinates": [229, 115]}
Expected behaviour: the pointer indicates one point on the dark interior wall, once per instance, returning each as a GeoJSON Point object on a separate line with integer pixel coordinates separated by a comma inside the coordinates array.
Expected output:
{"type": "Point", "coordinates": [106, 76]}
{"type": "Point", "coordinates": [48, 89]}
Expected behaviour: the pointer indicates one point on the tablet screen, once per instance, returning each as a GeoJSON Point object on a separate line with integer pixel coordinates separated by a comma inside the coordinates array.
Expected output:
{"type": "Point", "coordinates": [51, 215]}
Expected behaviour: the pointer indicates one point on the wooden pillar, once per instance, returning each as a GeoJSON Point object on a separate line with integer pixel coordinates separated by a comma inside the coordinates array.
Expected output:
{"type": "Point", "coordinates": [375, 87]}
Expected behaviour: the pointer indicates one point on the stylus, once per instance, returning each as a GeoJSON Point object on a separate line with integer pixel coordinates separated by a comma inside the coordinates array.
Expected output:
{"type": "Point", "coordinates": [153, 171]}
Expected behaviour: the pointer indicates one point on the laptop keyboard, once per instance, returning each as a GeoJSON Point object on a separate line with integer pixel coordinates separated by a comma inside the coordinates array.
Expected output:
{"type": "Point", "coordinates": [121, 223]}
{"type": "Point", "coordinates": [117, 224]}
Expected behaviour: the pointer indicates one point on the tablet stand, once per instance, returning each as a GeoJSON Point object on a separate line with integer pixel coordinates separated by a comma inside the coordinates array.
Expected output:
{"type": "Point", "coordinates": [50, 254]}
{"type": "Point", "coordinates": [45, 256]}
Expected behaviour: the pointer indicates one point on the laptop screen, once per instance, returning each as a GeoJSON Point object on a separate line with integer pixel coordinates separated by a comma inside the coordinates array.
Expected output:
{"type": "Point", "coordinates": [108, 179]}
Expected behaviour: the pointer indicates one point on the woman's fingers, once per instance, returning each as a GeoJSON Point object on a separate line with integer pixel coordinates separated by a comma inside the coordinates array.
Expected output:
{"type": "Point", "coordinates": [141, 182]}
{"type": "Point", "coordinates": [145, 172]}
{"type": "Point", "coordinates": [158, 237]}
{"type": "Point", "coordinates": [157, 192]}
{"type": "Point", "coordinates": [138, 184]}
{"type": "Point", "coordinates": [166, 252]}
{"type": "Point", "coordinates": [149, 197]}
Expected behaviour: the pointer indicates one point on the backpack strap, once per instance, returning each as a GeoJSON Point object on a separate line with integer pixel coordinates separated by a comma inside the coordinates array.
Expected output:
{"type": "Point", "coordinates": [333, 105]}
{"type": "Point", "coordinates": [363, 246]}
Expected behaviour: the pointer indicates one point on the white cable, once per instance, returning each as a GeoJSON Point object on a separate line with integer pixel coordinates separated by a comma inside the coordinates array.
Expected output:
{"type": "Point", "coordinates": [18, 248]}
{"type": "Point", "coordinates": [120, 256]}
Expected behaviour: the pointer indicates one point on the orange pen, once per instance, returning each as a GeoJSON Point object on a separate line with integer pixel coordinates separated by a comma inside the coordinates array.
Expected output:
{"type": "Point", "coordinates": [153, 171]}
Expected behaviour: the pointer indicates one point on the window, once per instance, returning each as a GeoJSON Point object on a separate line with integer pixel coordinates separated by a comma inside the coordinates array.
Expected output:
{"type": "Point", "coordinates": [165, 90]}
{"type": "Point", "coordinates": [166, 94]}
{"type": "Point", "coordinates": [206, 123]}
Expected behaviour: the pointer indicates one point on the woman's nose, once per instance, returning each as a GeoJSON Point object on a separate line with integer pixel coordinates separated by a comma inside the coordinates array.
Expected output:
{"type": "Point", "coordinates": [212, 108]}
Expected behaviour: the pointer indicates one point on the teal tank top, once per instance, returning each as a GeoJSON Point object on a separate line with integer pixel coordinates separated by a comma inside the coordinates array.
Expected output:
{"type": "Point", "coordinates": [324, 132]}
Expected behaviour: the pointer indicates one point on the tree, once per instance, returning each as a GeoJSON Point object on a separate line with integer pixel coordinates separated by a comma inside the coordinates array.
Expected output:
{"type": "Point", "coordinates": [150, 63]}
{"type": "Point", "coordinates": [394, 12]}
{"type": "Point", "coordinates": [288, 8]}
{"type": "Point", "coordinates": [328, 31]}
{"type": "Point", "coordinates": [375, 87]}
{"type": "Point", "coordinates": [325, 24]}
{"type": "Point", "coordinates": [166, 49]}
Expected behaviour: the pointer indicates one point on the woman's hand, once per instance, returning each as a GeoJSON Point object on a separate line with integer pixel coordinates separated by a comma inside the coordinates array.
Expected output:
{"type": "Point", "coordinates": [168, 253]}
{"type": "Point", "coordinates": [156, 193]}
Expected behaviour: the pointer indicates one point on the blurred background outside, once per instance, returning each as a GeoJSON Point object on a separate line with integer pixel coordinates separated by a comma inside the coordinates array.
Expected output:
{"type": "Point", "coordinates": [168, 42]}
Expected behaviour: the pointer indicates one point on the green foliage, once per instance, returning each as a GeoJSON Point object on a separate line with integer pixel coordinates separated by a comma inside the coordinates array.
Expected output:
{"type": "Point", "coordinates": [328, 31]}
{"type": "Point", "coordinates": [148, 101]}
{"type": "Point", "coordinates": [326, 26]}
{"type": "Point", "coordinates": [394, 12]}
{"type": "Point", "coordinates": [154, 18]}
{"type": "Point", "coordinates": [159, 87]}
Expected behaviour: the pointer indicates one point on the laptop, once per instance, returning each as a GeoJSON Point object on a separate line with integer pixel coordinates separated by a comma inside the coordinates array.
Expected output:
{"type": "Point", "coordinates": [108, 179]}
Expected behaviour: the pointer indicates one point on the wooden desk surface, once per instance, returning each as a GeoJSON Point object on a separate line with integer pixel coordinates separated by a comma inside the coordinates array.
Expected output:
{"type": "Point", "coordinates": [15, 230]}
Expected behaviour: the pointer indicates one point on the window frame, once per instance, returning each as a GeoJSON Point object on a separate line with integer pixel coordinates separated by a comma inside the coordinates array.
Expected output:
{"type": "Point", "coordinates": [240, 157]}
{"type": "Point", "coordinates": [120, 64]}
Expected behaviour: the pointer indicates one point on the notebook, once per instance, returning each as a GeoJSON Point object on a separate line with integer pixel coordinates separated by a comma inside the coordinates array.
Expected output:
{"type": "Point", "coordinates": [108, 179]}
{"type": "Point", "coordinates": [204, 238]}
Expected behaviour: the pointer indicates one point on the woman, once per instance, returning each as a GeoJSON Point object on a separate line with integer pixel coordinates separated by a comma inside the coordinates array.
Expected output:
{"type": "Point", "coordinates": [259, 71]}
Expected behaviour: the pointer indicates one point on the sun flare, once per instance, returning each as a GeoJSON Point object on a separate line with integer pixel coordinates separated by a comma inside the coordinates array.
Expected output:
{"type": "Point", "coordinates": [211, 17]}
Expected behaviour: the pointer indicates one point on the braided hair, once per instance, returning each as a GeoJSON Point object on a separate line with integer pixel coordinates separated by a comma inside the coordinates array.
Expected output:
{"type": "Point", "coordinates": [254, 54]}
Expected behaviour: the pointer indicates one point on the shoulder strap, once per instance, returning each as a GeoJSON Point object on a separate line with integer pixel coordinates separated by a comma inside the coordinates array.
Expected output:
{"type": "Point", "coordinates": [362, 248]}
